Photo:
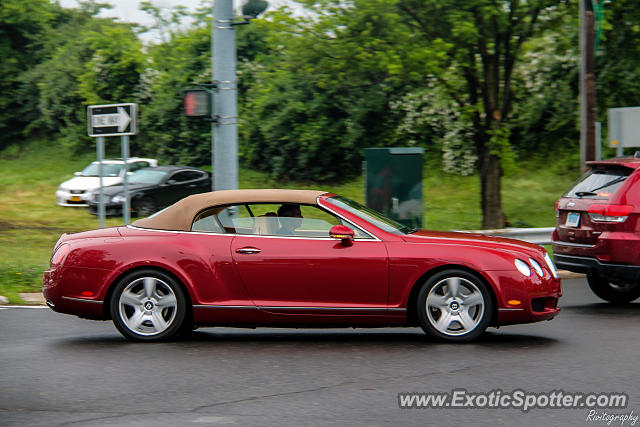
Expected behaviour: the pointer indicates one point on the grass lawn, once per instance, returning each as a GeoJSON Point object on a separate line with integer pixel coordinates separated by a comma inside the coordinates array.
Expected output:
{"type": "Point", "coordinates": [31, 222]}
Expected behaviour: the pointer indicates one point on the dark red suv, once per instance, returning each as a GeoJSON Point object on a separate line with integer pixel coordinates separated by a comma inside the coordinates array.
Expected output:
{"type": "Point", "coordinates": [598, 228]}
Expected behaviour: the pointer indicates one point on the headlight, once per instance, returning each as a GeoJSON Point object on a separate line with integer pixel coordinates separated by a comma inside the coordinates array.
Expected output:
{"type": "Point", "coordinates": [96, 198]}
{"type": "Point", "coordinates": [118, 199]}
{"type": "Point", "coordinates": [552, 267]}
{"type": "Point", "coordinates": [536, 267]}
{"type": "Point", "coordinates": [522, 267]}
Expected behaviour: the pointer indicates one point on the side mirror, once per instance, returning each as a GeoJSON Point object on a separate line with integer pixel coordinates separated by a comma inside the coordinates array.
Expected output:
{"type": "Point", "coordinates": [77, 174]}
{"type": "Point", "coordinates": [343, 233]}
{"type": "Point", "coordinates": [171, 181]}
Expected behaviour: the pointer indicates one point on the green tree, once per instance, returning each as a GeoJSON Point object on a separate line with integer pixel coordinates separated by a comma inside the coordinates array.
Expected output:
{"type": "Point", "coordinates": [87, 60]}
{"type": "Point", "coordinates": [477, 45]}
{"type": "Point", "coordinates": [22, 26]}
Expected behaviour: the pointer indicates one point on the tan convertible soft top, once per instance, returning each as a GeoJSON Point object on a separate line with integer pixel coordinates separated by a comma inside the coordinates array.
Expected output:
{"type": "Point", "coordinates": [179, 216]}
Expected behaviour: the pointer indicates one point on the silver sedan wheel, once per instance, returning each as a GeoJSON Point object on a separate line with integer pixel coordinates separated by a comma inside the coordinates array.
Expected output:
{"type": "Point", "coordinates": [455, 306]}
{"type": "Point", "coordinates": [148, 306]}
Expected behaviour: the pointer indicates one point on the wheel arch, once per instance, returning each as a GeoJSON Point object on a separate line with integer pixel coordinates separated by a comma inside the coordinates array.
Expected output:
{"type": "Point", "coordinates": [412, 315]}
{"type": "Point", "coordinates": [107, 298]}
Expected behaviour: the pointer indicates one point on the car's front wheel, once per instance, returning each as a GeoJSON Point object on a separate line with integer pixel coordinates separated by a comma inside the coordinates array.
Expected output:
{"type": "Point", "coordinates": [148, 305]}
{"type": "Point", "coordinates": [454, 305]}
{"type": "Point", "coordinates": [617, 292]}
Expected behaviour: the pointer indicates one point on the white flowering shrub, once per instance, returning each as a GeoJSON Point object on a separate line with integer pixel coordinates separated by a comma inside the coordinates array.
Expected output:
{"type": "Point", "coordinates": [429, 118]}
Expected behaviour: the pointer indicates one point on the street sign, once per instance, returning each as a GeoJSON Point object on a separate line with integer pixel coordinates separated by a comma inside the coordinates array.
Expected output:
{"type": "Point", "coordinates": [624, 127]}
{"type": "Point", "coordinates": [112, 120]}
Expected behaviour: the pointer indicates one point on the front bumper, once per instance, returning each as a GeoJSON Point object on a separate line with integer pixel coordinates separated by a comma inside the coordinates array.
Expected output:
{"type": "Point", "coordinates": [523, 299]}
{"type": "Point", "coordinates": [581, 264]}
{"type": "Point", "coordinates": [67, 198]}
{"type": "Point", "coordinates": [110, 208]}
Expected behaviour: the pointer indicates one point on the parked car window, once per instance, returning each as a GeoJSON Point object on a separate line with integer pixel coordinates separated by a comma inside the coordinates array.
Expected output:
{"type": "Point", "coordinates": [185, 176]}
{"type": "Point", "coordinates": [599, 183]}
{"type": "Point", "coordinates": [147, 176]}
{"type": "Point", "coordinates": [108, 169]}
{"type": "Point", "coordinates": [137, 165]}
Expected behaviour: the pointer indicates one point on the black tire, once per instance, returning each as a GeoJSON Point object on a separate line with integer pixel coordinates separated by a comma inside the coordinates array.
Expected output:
{"type": "Point", "coordinates": [469, 311]}
{"type": "Point", "coordinates": [148, 305]}
{"type": "Point", "coordinates": [146, 206]}
{"type": "Point", "coordinates": [616, 292]}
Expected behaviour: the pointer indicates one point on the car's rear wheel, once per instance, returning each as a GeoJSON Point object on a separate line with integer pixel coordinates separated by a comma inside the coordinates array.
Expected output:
{"type": "Point", "coordinates": [148, 305]}
{"type": "Point", "coordinates": [617, 292]}
{"type": "Point", "coordinates": [146, 206]}
{"type": "Point", "coordinates": [454, 305]}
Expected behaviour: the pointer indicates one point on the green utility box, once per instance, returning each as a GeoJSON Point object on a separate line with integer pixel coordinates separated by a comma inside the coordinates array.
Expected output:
{"type": "Point", "coordinates": [393, 183]}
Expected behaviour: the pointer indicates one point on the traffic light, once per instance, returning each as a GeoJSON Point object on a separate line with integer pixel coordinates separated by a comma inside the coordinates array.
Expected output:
{"type": "Point", "coordinates": [197, 103]}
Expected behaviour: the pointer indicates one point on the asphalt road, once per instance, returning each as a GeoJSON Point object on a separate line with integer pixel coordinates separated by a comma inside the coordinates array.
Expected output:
{"type": "Point", "coordinates": [60, 370]}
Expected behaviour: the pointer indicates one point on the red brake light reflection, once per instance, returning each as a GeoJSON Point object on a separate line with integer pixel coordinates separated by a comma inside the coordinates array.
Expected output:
{"type": "Point", "coordinates": [609, 213]}
{"type": "Point", "coordinates": [611, 210]}
{"type": "Point", "coordinates": [60, 254]}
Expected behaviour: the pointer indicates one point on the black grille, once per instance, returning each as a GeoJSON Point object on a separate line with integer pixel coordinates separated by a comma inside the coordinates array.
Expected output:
{"type": "Point", "coordinates": [537, 304]}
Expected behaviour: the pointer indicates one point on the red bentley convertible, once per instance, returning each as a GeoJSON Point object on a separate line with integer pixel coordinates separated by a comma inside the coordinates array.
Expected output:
{"type": "Point", "coordinates": [293, 258]}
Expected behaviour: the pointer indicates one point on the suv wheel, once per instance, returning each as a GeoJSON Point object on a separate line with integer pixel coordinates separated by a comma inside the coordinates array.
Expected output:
{"type": "Point", "coordinates": [618, 292]}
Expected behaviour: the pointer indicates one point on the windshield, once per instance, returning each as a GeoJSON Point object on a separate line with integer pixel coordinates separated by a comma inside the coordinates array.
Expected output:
{"type": "Point", "coordinates": [108, 169]}
{"type": "Point", "coordinates": [147, 176]}
{"type": "Point", "coordinates": [374, 217]}
{"type": "Point", "coordinates": [599, 183]}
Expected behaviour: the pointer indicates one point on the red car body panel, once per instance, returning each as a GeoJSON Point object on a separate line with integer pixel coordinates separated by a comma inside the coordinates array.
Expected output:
{"type": "Point", "coordinates": [296, 281]}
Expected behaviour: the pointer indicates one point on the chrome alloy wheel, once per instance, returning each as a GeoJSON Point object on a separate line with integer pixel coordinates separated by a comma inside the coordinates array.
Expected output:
{"type": "Point", "coordinates": [455, 306]}
{"type": "Point", "coordinates": [148, 306]}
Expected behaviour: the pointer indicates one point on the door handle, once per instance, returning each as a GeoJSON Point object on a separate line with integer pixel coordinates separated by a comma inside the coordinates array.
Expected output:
{"type": "Point", "coordinates": [248, 251]}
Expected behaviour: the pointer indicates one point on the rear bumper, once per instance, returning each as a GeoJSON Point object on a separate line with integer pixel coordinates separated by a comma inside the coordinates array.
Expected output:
{"type": "Point", "coordinates": [582, 264]}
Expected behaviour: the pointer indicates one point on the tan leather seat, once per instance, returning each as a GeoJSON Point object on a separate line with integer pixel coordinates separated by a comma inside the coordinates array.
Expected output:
{"type": "Point", "coordinates": [266, 224]}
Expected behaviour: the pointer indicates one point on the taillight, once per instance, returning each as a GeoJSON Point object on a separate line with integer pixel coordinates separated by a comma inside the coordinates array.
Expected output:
{"type": "Point", "coordinates": [60, 254]}
{"type": "Point", "coordinates": [609, 213]}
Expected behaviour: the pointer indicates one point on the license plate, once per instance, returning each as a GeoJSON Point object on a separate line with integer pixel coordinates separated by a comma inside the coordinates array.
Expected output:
{"type": "Point", "coordinates": [76, 199]}
{"type": "Point", "coordinates": [573, 219]}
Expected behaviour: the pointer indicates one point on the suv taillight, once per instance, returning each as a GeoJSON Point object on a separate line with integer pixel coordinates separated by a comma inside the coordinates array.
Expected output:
{"type": "Point", "coordinates": [609, 213]}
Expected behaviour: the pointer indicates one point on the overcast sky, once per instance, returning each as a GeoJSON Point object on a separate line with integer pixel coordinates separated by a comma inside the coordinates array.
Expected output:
{"type": "Point", "coordinates": [127, 10]}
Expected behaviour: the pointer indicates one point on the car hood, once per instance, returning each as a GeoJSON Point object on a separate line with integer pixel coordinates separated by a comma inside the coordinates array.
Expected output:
{"type": "Point", "coordinates": [89, 182]}
{"type": "Point", "coordinates": [477, 240]}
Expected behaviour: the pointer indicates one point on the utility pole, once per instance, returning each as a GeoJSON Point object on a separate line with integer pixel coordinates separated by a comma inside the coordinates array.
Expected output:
{"type": "Point", "coordinates": [224, 129]}
{"type": "Point", "coordinates": [587, 84]}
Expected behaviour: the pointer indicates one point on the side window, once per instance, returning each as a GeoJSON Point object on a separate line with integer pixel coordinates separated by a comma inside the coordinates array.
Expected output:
{"type": "Point", "coordinates": [236, 219]}
{"type": "Point", "coordinates": [181, 176]}
{"type": "Point", "coordinates": [132, 167]}
{"type": "Point", "coordinates": [286, 219]}
{"type": "Point", "coordinates": [317, 223]}
{"type": "Point", "coordinates": [185, 176]}
{"type": "Point", "coordinates": [268, 219]}
{"type": "Point", "coordinates": [207, 222]}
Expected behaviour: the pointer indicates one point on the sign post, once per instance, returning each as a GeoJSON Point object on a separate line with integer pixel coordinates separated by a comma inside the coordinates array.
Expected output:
{"type": "Point", "coordinates": [100, 149]}
{"type": "Point", "coordinates": [112, 120]}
